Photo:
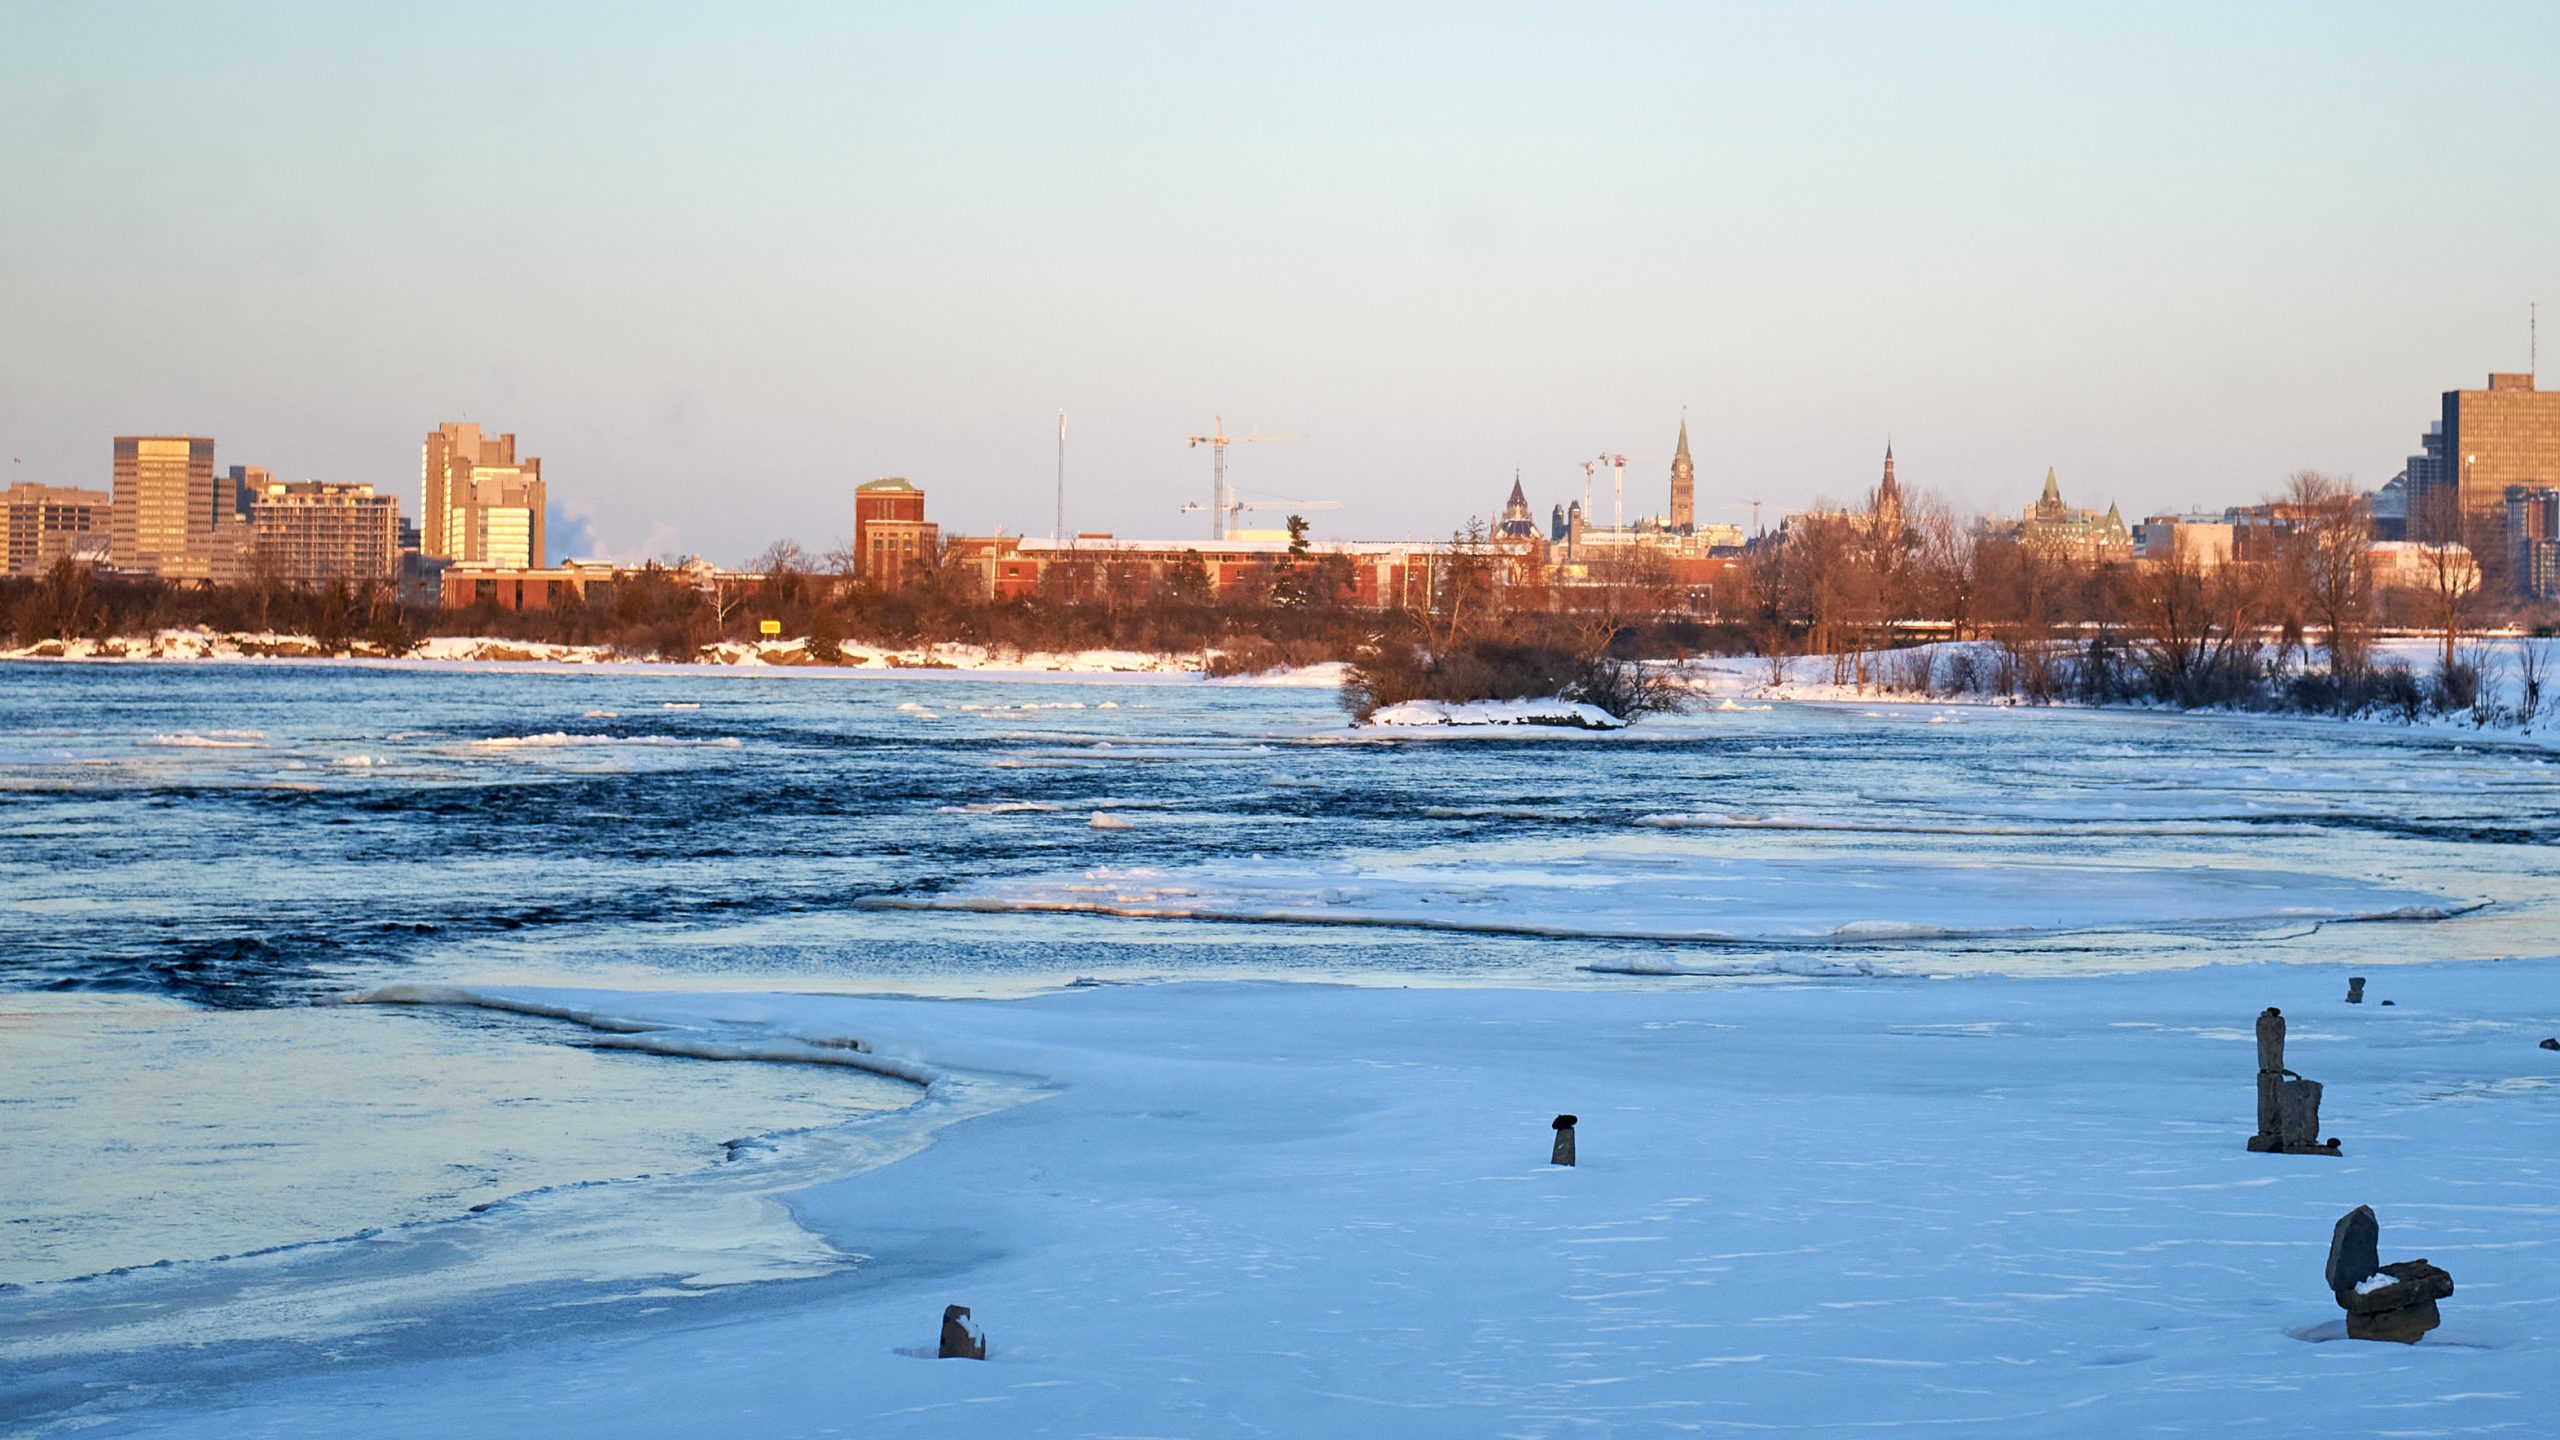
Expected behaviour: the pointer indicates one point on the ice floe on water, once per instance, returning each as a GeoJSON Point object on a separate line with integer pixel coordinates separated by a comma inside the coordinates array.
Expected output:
{"type": "Point", "coordinates": [211, 740]}
{"type": "Point", "coordinates": [1858, 900]}
{"type": "Point", "coordinates": [999, 807]}
{"type": "Point", "coordinates": [1925, 825]}
{"type": "Point", "coordinates": [557, 739]}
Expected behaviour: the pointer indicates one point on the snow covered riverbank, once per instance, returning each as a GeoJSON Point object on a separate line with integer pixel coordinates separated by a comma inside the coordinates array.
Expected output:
{"type": "Point", "coordinates": [1961, 673]}
{"type": "Point", "coordinates": [766, 657]}
{"type": "Point", "coordinates": [1983, 1206]}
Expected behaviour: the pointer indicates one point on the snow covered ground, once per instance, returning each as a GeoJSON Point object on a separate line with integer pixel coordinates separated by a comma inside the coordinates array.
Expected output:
{"type": "Point", "coordinates": [1988, 1206]}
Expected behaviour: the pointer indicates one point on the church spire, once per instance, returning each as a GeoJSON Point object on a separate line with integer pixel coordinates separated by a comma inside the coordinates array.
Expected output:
{"type": "Point", "coordinates": [1684, 483]}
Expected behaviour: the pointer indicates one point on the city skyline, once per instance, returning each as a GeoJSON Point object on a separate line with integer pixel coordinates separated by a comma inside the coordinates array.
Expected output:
{"type": "Point", "coordinates": [2171, 271]}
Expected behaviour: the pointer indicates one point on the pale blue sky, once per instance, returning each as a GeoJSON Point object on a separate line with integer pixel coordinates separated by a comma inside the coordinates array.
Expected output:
{"type": "Point", "coordinates": [717, 265]}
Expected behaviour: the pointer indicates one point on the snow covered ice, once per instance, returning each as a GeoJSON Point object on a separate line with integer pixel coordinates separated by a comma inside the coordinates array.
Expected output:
{"type": "Point", "coordinates": [1913, 1063]}
{"type": "Point", "coordinates": [1994, 1206]}
{"type": "Point", "coordinates": [1668, 895]}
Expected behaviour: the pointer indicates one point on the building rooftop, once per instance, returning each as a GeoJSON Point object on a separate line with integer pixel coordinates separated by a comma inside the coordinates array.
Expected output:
{"type": "Point", "coordinates": [1229, 546]}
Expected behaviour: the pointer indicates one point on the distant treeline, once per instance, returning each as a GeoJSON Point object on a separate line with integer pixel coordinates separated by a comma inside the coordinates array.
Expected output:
{"type": "Point", "coordinates": [2290, 623]}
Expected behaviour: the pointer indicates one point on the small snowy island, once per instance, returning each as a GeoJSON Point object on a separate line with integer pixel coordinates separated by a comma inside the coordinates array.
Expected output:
{"type": "Point", "coordinates": [1555, 712]}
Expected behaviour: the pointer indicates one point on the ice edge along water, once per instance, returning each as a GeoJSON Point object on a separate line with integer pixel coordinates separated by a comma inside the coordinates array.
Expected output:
{"type": "Point", "coordinates": [557, 1248]}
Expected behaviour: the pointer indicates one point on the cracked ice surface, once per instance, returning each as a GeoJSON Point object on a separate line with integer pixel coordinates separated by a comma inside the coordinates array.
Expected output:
{"type": "Point", "coordinates": [1665, 894]}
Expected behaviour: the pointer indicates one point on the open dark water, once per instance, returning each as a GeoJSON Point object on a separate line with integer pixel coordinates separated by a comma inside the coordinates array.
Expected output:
{"type": "Point", "coordinates": [191, 854]}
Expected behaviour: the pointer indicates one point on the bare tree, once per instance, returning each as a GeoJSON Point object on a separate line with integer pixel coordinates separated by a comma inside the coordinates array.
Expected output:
{"type": "Point", "coordinates": [1947, 566]}
{"type": "Point", "coordinates": [1829, 590]}
{"type": "Point", "coordinates": [2197, 629]}
{"type": "Point", "coordinates": [1462, 599]}
{"type": "Point", "coordinates": [782, 557]}
{"type": "Point", "coordinates": [264, 581]}
{"type": "Point", "coordinates": [2324, 566]}
{"type": "Point", "coordinates": [2534, 656]}
{"type": "Point", "coordinates": [61, 606]}
{"type": "Point", "coordinates": [1623, 589]}
{"type": "Point", "coordinates": [2451, 569]}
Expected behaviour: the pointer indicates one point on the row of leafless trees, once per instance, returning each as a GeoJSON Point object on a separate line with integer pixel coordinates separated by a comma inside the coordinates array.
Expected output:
{"type": "Point", "coordinates": [2291, 615]}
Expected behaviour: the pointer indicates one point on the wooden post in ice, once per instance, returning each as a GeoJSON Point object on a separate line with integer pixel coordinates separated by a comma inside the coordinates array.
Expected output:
{"type": "Point", "coordinates": [1563, 1153]}
{"type": "Point", "coordinates": [961, 1337]}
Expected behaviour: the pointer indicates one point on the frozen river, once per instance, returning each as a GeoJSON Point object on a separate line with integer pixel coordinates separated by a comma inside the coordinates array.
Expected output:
{"type": "Point", "coordinates": [191, 855]}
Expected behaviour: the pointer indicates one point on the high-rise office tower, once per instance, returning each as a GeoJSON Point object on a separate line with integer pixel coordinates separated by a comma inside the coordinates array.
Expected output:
{"type": "Point", "coordinates": [480, 505]}
{"type": "Point", "coordinates": [172, 515]}
{"type": "Point", "coordinates": [2508, 434]}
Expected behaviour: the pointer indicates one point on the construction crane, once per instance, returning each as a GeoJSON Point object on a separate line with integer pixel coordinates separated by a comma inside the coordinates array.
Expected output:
{"type": "Point", "coordinates": [1617, 468]}
{"type": "Point", "coordinates": [1237, 505]}
{"type": "Point", "coordinates": [1616, 465]}
{"type": "Point", "coordinates": [1221, 503]}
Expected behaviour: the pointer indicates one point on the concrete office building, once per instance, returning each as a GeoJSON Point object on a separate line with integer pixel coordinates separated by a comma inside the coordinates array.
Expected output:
{"type": "Point", "coordinates": [47, 523]}
{"type": "Point", "coordinates": [314, 532]}
{"type": "Point", "coordinates": [172, 516]}
{"type": "Point", "coordinates": [479, 505]}
{"type": "Point", "coordinates": [2533, 536]}
{"type": "Point", "coordinates": [2493, 439]}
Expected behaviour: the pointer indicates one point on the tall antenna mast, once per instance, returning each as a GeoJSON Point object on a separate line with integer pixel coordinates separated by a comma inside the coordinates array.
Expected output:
{"type": "Point", "coordinates": [1061, 533]}
{"type": "Point", "coordinates": [2533, 338]}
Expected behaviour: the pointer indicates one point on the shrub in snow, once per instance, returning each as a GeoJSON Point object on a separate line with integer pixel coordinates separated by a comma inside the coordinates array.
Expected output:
{"type": "Point", "coordinates": [1391, 672]}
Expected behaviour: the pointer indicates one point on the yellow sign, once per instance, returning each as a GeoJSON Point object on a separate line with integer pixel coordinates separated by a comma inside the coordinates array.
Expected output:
{"type": "Point", "coordinates": [769, 627]}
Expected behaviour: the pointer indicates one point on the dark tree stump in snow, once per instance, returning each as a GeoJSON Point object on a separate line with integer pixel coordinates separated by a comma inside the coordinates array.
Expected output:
{"type": "Point", "coordinates": [1563, 1153]}
{"type": "Point", "coordinates": [961, 1337]}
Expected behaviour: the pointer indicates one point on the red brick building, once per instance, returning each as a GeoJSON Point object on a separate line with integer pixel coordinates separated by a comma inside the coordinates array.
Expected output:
{"type": "Point", "coordinates": [890, 534]}
{"type": "Point", "coordinates": [1376, 573]}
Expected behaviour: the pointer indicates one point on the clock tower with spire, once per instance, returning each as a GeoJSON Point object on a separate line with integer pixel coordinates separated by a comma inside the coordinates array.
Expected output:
{"type": "Point", "coordinates": [1684, 485]}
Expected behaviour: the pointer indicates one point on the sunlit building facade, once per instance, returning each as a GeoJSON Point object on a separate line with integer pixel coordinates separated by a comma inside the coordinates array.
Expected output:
{"type": "Point", "coordinates": [313, 532]}
{"type": "Point", "coordinates": [48, 523]}
{"type": "Point", "coordinates": [890, 534]}
{"type": "Point", "coordinates": [478, 504]}
{"type": "Point", "coordinates": [171, 515]}
{"type": "Point", "coordinates": [2494, 439]}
